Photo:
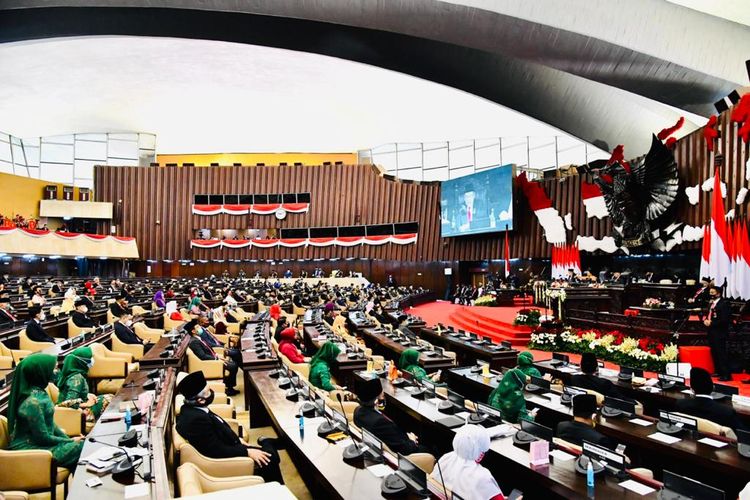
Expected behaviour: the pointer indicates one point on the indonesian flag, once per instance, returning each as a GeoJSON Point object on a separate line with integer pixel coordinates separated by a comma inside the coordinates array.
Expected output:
{"type": "Point", "coordinates": [506, 254]}
{"type": "Point", "coordinates": [593, 200]}
{"type": "Point", "coordinates": [565, 257]}
{"type": "Point", "coordinates": [720, 265]}
{"type": "Point", "coordinates": [706, 252]}
{"type": "Point", "coordinates": [548, 216]}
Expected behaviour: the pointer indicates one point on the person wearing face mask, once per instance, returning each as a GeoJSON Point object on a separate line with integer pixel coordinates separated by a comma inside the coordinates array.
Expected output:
{"type": "Point", "coordinates": [368, 415]}
{"type": "Point", "coordinates": [205, 352]}
{"type": "Point", "coordinates": [124, 330]}
{"type": "Point", "coordinates": [38, 297]}
{"type": "Point", "coordinates": [31, 413]}
{"type": "Point", "coordinates": [6, 315]}
{"type": "Point", "coordinates": [80, 317]}
{"type": "Point", "coordinates": [74, 387]}
{"type": "Point", "coordinates": [34, 329]}
{"type": "Point", "coordinates": [119, 307]}
{"type": "Point", "coordinates": [213, 437]}
{"type": "Point", "coordinates": [461, 469]}
{"type": "Point", "coordinates": [718, 319]}
{"type": "Point", "coordinates": [581, 428]}
{"type": "Point", "coordinates": [508, 397]}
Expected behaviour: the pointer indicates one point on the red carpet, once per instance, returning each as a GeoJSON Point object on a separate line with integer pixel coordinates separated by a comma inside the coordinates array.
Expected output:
{"type": "Point", "coordinates": [497, 323]}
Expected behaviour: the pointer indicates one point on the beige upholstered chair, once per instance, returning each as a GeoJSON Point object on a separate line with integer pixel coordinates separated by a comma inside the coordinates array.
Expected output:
{"type": "Point", "coordinates": [110, 368]}
{"type": "Point", "coordinates": [74, 331]}
{"type": "Point", "coordinates": [192, 481]}
{"type": "Point", "coordinates": [150, 335]}
{"type": "Point", "coordinates": [135, 350]}
{"type": "Point", "coordinates": [26, 344]}
{"type": "Point", "coordinates": [169, 323]}
{"type": "Point", "coordinates": [303, 369]}
{"type": "Point", "coordinates": [706, 426]}
{"type": "Point", "coordinates": [212, 369]}
{"type": "Point", "coordinates": [184, 453]}
{"type": "Point", "coordinates": [32, 471]}
{"type": "Point", "coordinates": [15, 354]}
{"type": "Point", "coordinates": [70, 420]}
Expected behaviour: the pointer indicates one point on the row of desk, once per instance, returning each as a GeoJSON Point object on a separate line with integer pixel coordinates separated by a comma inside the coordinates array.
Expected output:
{"type": "Point", "coordinates": [723, 467]}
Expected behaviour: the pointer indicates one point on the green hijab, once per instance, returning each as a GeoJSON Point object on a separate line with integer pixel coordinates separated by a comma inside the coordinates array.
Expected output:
{"type": "Point", "coordinates": [32, 372]}
{"type": "Point", "coordinates": [409, 357]}
{"type": "Point", "coordinates": [508, 396]}
{"type": "Point", "coordinates": [327, 353]}
{"type": "Point", "coordinates": [196, 301]}
{"type": "Point", "coordinates": [76, 362]}
{"type": "Point", "coordinates": [526, 364]}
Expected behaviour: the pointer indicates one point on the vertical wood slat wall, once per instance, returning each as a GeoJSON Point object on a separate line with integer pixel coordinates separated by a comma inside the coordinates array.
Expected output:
{"type": "Point", "coordinates": [340, 193]}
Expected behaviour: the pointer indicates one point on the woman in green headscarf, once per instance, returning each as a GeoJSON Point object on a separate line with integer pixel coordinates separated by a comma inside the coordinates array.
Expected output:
{"type": "Point", "coordinates": [526, 365]}
{"type": "Point", "coordinates": [320, 366]}
{"type": "Point", "coordinates": [508, 397]}
{"type": "Point", "coordinates": [74, 388]}
{"type": "Point", "coordinates": [31, 413]}
{"type": "Point", "coordinates": [195, 305]}
{"type": "Point", "coordinates": [409, 362]}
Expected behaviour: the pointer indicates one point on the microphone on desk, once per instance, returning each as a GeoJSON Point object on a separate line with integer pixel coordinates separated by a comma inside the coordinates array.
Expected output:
{"type": "Point", "coordinates": [477, 418]}
{"type": "Point", "coordinates": [352, 452]}
{"type": "Point", "coordinates": [125, 468]}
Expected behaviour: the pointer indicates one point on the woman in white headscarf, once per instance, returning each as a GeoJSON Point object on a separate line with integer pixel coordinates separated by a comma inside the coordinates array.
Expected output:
{"type": "Point", "coordinates": [462, 473]}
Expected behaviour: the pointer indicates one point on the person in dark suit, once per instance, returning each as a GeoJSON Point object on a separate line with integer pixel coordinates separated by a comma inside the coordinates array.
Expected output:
{"type": "Point", "coordinates": [213, 437]}
{"type": "Point", "coordinates": [80, 317]}
{"type": "Point", "coordinates": [207, 337]}
{"type": "Point", "coordinates": [34, 329]}
{"type": "Point", "coordinates": [124, 330]}
{"type": "Point", "coordinates": [581, 428]}
{"type": "Point", "coordinates": [704, 406]}
{"type": "Point", "coordinates": [718, 320]}
{"type": "Point", "coordinates": [6, 316]}
{"type": "Point", "coordinates": [205, 352]}
{"type": "Point", "coordinates": [589, 380]}
{"type": "Point", "coordinates": [367, 416]}
{"type": "Point", "coordinates": [701, 296]}
{"type": "Point", "coordinates": [120, 306]}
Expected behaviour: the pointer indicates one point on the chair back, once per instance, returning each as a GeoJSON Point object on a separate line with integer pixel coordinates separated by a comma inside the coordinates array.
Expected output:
{"type": "Point", "coordinates": [53, 392]}
{"type": "Point", "coordinates": [26, 344]}
{"type": "Point", "coordinates": [4, 433]}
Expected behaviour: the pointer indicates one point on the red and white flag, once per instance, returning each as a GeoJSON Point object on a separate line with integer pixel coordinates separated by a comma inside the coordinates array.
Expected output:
{"type": "Point", "coordinates": [720, 265]}
{"type": "Point", "coordinates": [506, 254]}
{"type": "Point", "coordinates": [593, 200]}
{"type": "Point", "coordinates": [706, 252]}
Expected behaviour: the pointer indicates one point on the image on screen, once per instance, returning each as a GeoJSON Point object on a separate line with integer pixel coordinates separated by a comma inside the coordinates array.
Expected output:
{"type": "Point", "coordinates": [477, 203]}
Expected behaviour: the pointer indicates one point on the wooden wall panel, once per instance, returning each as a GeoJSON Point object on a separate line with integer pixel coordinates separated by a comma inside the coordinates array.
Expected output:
{"type": "Point", "coordinates": [356, 194]}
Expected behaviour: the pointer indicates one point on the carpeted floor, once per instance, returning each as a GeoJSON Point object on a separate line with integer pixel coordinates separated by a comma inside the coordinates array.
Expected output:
{"type": "Point", "coordinates": [292, 479]}
{"type": "Point", "coordinates": [448, 314]}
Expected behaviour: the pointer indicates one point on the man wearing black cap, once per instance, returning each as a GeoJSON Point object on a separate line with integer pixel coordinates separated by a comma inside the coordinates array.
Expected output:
{"type": "Point", "coordinates": [704, 406]}
{"type": "Point", "coordinates": [589, 380]}
{"type": "Point", "coordinates": [214, 438]}
{"type": "Point", "coordinates": [34, 329]}
{"type": "Point", "coordinates": [367, 416]}
{"type": "Point", "coordinates": [581, 428]}
{"type": "Point", "coordinates": [79, 316]}
{"type": "Point", "coordinates": [119, 306]}
{"type": "Point", "coordinates": [6, 316]}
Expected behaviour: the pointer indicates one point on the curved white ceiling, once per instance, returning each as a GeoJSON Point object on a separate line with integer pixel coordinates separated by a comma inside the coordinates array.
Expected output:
{"type": "Point", "coordinates": [208, 96]}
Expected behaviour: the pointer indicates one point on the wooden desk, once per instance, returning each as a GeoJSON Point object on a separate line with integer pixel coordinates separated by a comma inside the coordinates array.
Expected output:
{"type": "Point", "coordinates": [318, 462]}
{"type": "Point", "coordinates": [391, 349]}
{"type": "Point", "coordinates": [251, 361]}
{"type": "Point", "coordinates": [153, 358]}
{"type": "Point", "coordinates": [110, 431]}
{"type": "Point", "coordinates": [468, 352]}
{"type": "Point", "coordinates": [652, 401]}
{"type": "Point", "coordinates": [723, 468]}
{"type": "Point", "coordinates": [508, 463]}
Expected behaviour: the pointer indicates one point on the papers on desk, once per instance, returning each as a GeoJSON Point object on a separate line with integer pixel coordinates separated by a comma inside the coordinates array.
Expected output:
{"type": "Point", "coordinates": [380, 470]}
{"type": "Point", "coordinates": [740, 400]}
{"type": "Point", "coordinates": [463, 414]}
{"type": "Point", "coordinates": [434, 401]}
{"type": "Point", "coordinates": [561, 456]}
{"type": "Point", "coordinates": [607, 372]}
{"type": "Point", "coordinates": [652, 390]}
{"type": "Point", "coordinates": [637, 487]}
{"type": "Point", "coordinates": [712, 442]}
{"type": "Point", "coordinates": [640, 421]}
{"type": "Point", "coordinates": [568, 369]}
{"type": "Point", "coordinates": [344, 442]}
{"type": "Point", "coordinates": [664, 438]}
{"type": "Point", "coordinates": [140, 490]}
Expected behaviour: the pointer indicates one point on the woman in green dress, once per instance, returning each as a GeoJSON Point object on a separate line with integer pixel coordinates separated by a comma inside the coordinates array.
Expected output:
{"type": "Point", "coordinates": [31, 413]}
{"type": "Point", "coordinates": [409, 362]}
{"type": "Point", "coordinates": [74, 388]}
{"type": "Point", "coordinates": [526, 365]}
{"type": "Point", "coordinates": [320, 366]}
{"type": "Point", "coordinates": [508, 397]}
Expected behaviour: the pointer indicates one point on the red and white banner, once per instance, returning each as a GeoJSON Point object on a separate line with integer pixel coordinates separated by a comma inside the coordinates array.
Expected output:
{"type": "Point", "coordinates": [259, 209]}
{"type": "Point", "coordinates": [44, 242]}
{"type": "Point", "coordinates": [547, 215]}
{"type": "Point", "coordinates": [342, 241]}
{"type": "Point", "coordinates": [593, 200]}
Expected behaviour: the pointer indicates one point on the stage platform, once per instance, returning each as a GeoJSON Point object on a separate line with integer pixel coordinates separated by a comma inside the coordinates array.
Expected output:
{"type": "Point", "coordinates": [497, 323]}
